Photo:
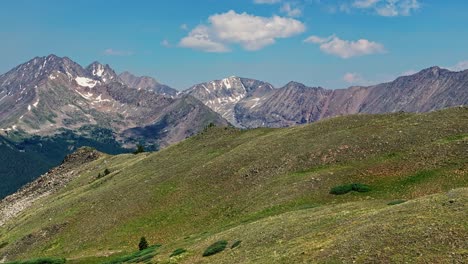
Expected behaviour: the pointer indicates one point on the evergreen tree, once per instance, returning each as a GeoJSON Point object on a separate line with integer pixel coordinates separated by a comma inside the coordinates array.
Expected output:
{"type": "Point", "coordinates": [143, 243]}
{"type": "Point", "coordinates": [140, 149]}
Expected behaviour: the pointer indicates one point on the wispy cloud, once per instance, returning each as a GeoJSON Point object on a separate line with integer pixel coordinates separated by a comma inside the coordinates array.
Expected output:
{"type": "Point", "coordinates": [387, 8]}
{"type": "Point", "coordinates": [268, 2]}
{"type": "Point", "coordinates": [344, 48]}
{"type": "Point", "coordinates": [249, 31]}
{"type": "Point", "coordinates": [184, 27]}
{"type": "Point", "coordinates": [291, 11]}
{"type": "Point", "coordinates": [114, 52]}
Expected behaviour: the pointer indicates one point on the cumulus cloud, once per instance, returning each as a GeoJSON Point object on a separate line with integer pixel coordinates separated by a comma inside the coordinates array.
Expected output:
{"type": "Point", "coordinates": [201, 38]}
{"type": "Point", "coordinates": [345, 48]}
{"type": "Point", "coordinates": [291, 11]}
{"type": "Point", "coordinates": [184, 27]}
{"type": "Point", "coordinates": [269, 2]}
{"type": "Point", "coordinates": [114, 52]}
{"type": "Point", "coordinates": [389, 8]}
{"type": "Point", "coordinates": [249, 31]}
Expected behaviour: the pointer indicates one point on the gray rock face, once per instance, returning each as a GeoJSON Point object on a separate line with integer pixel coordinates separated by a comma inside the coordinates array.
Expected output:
{"type": "Point", "coordinates": [146, 83]}
{"type": "Point", "coordinates": [222, 96]}
{"type": "Point", "coordinates": [293, 104]}
{"type": "Point", "coordinates": [51, 93]}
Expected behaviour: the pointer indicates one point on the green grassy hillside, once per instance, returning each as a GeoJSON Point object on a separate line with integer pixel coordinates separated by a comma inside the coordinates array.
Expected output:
{"type": "Point", "coordinates": [270, 189]}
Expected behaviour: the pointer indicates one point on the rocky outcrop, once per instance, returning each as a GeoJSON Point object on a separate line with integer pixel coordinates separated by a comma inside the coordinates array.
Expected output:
{"type": "Point", "coordinates": [49, 183]}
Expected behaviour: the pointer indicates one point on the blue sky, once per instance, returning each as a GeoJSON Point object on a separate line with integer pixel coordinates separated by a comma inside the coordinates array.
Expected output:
{"type": "Point", "coordinates": [333, 44]}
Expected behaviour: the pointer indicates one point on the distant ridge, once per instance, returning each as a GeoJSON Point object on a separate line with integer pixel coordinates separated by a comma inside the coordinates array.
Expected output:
{"type": "Point", "coordinates": [430, 89]}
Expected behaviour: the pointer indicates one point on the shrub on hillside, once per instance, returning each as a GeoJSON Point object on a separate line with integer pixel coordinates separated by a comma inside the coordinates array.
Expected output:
{"type": "Point", "coordinates": [358, 187]}
{"type": "Point", "coordinates": [396, 202]}
{"type": "Point", "coordinates": [40, 261]}
{"type": "Point", "coordinates": [215, 248]}
{"type": "Point", "coordinates": [177, 252]}
{"type": "Point", "coordinates": [143, 244]}
{"type": "Point", "coordinates": [342, 189]}
{"type": "Point", "coordinates": [139, 149]}
{"type": "Point", "coordinates": [106, 171]}
{"type": "Point", "coordinates": [346, 188]}
{"type": "Point", "coordinates": [236, 244]}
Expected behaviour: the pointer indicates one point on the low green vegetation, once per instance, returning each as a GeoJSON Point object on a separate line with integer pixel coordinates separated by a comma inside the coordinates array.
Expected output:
{"type": "Point", "coordinates": [178, 252]}
{"type": "Point", "coordinates": [40, 261]}
{"type": "Point", "coordinates": [236, 244]}
{"type": "Point", "coordinates": [141, 256]}
{"type": "Point", "coordinates": [346, 188]}
{"type": "Point", "coordinates": [215, 248]}
{"type": "Point", "coordinates": [395, 202]}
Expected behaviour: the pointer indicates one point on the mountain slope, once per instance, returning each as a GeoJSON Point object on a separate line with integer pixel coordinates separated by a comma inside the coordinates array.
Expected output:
{"type": "Point", "coordinates": [147, 83]}
{"type": "Point", "coordinates": [49, 93]}
{"type": "Point", "coordinates": [222, 96]}
{"type": "Point", "coordinates": [52, 97]}
{"type": "Point", "coordinates": [293, 104]}
{"type": "Point", "coordinates": [227, 184]}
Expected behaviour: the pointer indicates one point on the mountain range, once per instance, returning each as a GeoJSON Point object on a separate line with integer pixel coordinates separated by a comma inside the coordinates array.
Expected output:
{"type": "Point", "coordinates": [54, 103]}
{"type": "Point", "coordinates": [249, 103]}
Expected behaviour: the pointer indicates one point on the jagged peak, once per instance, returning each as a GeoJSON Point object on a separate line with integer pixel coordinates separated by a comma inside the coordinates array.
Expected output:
{"type": "Point", "coordinates": [101, 71]}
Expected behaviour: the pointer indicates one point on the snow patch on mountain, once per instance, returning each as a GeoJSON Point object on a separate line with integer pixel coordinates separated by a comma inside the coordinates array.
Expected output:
{"type": "Point", "coordinates": [86, 82]}
{"type": "Point", "coordinates": [98, 71]}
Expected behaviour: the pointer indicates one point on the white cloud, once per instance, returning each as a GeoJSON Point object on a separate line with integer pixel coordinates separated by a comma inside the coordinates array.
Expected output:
{"type": "Point", "coordinates": [184, 27]}
{"type": "Point", "coordinates": [345, 48]}
{"type": "Point", "coordinates": [388, 8]}
{"type": "Point", "coordinates": [268, 2]}
{"type": "Point", "coordinates": [398, 8]}
{"type": "Point", "coordinates": [365, 3]}
{"type": "Point", "coordinates": [113, 52]}
{"type": "Point", "coordinates": [249, 31]}
{"type": "Point", "coordinates": [461, 66]}
{"type": "Point", "coordinates": [291, 11]}
{"type": "Point", "coordinates": [201, 38]}
{"type": "Point", "coordinates": [354, 78]}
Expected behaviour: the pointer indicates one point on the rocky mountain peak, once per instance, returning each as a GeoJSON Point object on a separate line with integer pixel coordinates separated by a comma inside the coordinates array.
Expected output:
{"type": "Point", "coordinates": [146, 83]}
{"type": "Point", "coordinates": [102, 72]}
